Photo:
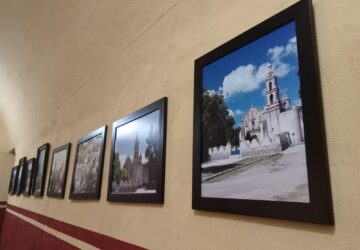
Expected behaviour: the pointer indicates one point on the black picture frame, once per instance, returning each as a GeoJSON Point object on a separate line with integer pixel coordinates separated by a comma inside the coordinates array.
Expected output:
{"type": "Point", "coordinates": [42, 159]}
{"type": "Point", "coordinates": [319, 208]}
{"type": "Point", "coordinates": [21, 176]}
{"type": "Point", "coordinates": [155, 181]}
{"type": "Point", "coordinates": [30, 167]}
{"type": "Point", "coordinates": [13, 180]}
{"type": "Point", "coordinates": [52, 189]}
{"type": "Point", "coordinates": [82, 145]}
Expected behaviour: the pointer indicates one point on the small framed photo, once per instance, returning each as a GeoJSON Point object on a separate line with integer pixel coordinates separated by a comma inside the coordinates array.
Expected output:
{"type": "Point", "coordinates": [13, 180]}
{"type": "Point", "coordinates": [40, 170]}
{"type": "Point", "coordinates": [259, 135]}
{"type": "Point", "coordinates": [21, 176]}
{"type": "Point", "coordinates": [89, 159]}
{"type": "Point", "coordinates": [30, 166]}
{"type": "Point", "coordinates": [137, 164]}
{"type": "Point", "coordinates": [58, 171]}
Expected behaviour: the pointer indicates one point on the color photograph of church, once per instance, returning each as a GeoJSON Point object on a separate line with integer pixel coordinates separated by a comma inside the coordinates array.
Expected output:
{"type": "Point", "coordinates": [252, 121]}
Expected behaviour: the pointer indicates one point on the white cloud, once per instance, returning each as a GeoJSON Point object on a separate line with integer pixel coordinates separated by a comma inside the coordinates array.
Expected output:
{"type": "Point", "coordinates": [279, 52]}
{"type": "Point", "coordinates": [276, 53]}
{"type": "Point", "coordinates": [298, 102]}
{"type": "Point", "coordinates": [291, 47]}
{"type": "Point", "coordinates": [242, 79]}
{"type": "Point", "coordinates": [211, 92]}
{"type": "Point", "coordinates": [281, 69]}
{"type": "Point", "coordinates": [231, 113]}
{"type": "Point", "coordinates": [239, 112]}
{"type": "Point", "coordinates": [247, 78]}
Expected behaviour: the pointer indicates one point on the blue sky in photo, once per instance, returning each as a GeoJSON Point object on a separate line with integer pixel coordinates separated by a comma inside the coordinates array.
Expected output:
{"type": "Point", "coordinates": [126, 134]}
{"type": "Point", "coordinates": [240, 74]}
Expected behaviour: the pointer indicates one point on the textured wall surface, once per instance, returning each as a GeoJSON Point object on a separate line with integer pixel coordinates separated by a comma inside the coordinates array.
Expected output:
{"type": "Point", "coordinates": [68, 67]}
{"type": "Point", "coordinates": [6, 164]}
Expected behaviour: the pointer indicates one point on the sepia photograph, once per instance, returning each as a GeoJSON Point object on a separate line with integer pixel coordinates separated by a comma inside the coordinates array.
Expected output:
{"type": "Point", "coordinates": [86, 181]}
{"type": "Point", "coordinates": [253, 132]}
{"type": "Point", "coordinates": [137, 156]}
{"type": "Point", "coordinates": [58, 171]}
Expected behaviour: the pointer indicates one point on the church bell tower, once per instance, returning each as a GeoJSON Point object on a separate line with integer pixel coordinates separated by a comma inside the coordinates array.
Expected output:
{"type": "Point", "coordinates": [271, 91]}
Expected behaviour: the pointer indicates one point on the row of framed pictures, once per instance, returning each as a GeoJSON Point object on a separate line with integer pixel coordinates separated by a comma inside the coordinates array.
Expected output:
{"type": "Point", "coordinates": [259, 143]}
{"type": "Point", "coordinates": [137, 164]}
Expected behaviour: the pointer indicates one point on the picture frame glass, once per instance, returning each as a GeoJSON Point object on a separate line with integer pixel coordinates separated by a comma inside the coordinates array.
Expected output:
{"type": "Point", "coordinates": [88, 165]}
{"type": "Point", "coordinates": [136, 156]}
{"type": "Point", "coordinates": [29, 176]}
{"type": "Point", "coordinates": [259, 134]}
{"type": "Point", "coordinates": [255, 90]}
{"type": "Point", "coordinates": [13, 180]}
{"type": "Point", "coordinates": [38, 181]}
{"type": "Point", "coordinates": [19, 179]}
{"type": "Point", "coordinates": [58, 171]}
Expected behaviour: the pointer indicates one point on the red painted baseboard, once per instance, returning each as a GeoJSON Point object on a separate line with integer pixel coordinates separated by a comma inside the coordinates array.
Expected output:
{"type": "Point", "coordinates": [2, 213]}
{"type": "Point", "coordinates": [18, 234]}
{"type": "Point", "coordinates": [95, 239]}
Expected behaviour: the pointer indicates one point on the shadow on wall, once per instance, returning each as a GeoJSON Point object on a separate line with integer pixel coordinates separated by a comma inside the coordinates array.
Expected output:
{"type": "Point", "coordinates": [300, 226]}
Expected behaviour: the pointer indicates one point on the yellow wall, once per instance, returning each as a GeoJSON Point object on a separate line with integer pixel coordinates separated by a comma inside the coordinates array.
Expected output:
{"type": "Point", "coordinates": [6, 164]}
{"type": "Point", "coordinates": [74, 66]}
{"type": "Point", "coordinates": [4, 140]}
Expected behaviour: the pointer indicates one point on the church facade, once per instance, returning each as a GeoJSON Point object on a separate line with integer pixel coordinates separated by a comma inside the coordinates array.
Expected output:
{"type": "Point", "coordinates": [138, 174]}
{"type": "Point", "coordinates": [274, 127]}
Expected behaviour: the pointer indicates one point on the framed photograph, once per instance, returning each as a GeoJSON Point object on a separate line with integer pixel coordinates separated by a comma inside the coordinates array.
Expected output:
{"type": "Point", "coordinates": [58, 171]}
{"type": "Point", "coordinates": [40, 170]}
{"type": "Point", "coordinates": [137, 163]}
{"type": "Point", "coordinates": [89, 159]}
{"type": "Point", "coordinates": [30, 166]}
{"type": "Point", "coordinates": [259, 135]}
{"type": "Point", "coordinates": [21, 176]}
{"type": "Point", "coordinates": [13, 180]}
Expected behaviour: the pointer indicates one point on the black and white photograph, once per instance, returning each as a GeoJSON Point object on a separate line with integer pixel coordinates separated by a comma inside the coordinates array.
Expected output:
{"type": "Point", "coordinates": [41, 169]}
{"type": "Point", "coordinates": [137, 155]}
{"type": "Point", "coordinates": [13, 184]}
{"type": "Point", "coordinates": [252, 145]}
{"type": "Point", "coordinates": [58, 171]}
{"type": "Point", "coordinates": [29, 176]}
{"type": "Point", "coordinates": [21, 176]}
{"type": "Point", "coordinates": [86, 180]}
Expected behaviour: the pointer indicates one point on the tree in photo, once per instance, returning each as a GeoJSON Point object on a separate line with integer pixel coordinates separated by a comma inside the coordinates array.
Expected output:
{"type": "Point", "coordinates": [217, 123]}
{"type": "Point", "coordinates": [152, 154]}
{"type": "Point", "coordinates": [117, 168]}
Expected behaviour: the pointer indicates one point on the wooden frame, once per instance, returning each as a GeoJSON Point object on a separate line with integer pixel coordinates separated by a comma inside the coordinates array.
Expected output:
{"type": "Point", "coordinates": [13, 180]}
{"type": "Point", "coordinates": [20, 176]}
{"type": "Point", "coordinates": [139, 179]}
{"type": "Point", "coordinates": [213, 188]}
{"type": "Point", "coordinates": [30, 167]}
{"type": "Point", "coordinates": [85, 190]}
{"type": "Point", "coordinates": [42, 159]}
{"type": "Point", "coordinates": [57, 180]}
